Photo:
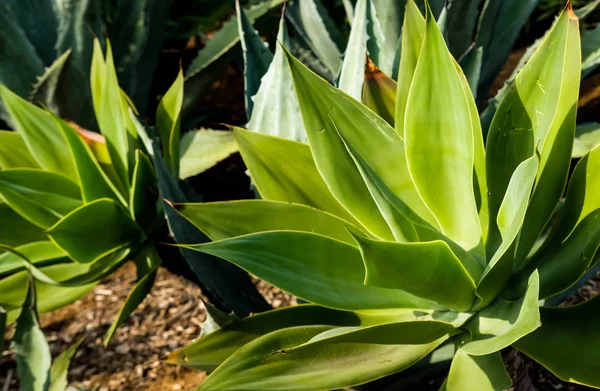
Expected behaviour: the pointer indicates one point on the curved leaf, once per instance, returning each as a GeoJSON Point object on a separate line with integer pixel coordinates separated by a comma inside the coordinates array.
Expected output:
{"type": "Point", "coordinates": [352, 73]}
{"type": "Point", "coordinates": [168, 122]}
{"type": "Point", "coordinates": [60, 367]}
{"type": "Point", "coordinates": [144, 194]}
{"type": "Point", "coordinates": [202, 149]}
{"type": "Point", "coordinates": [15, 230]}
{"type": "Point", "coordinates": [14, 152]}
{"type": "Point", "coordinates": [38, 253]}
{"type": "Point", "coordinates": [379, 93]}
{"type": "Point", "coordinates": [477, 373]}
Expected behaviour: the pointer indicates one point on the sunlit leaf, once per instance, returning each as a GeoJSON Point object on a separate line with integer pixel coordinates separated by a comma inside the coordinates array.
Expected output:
{"type": "Point", "coordinates": [352, 73]}
{"type": "Point", "coordinates": [14, 152]}
{"type": "Point", "coordinates": [168, 122]}
{"type": "Point", "coordinates": [60, 367]}
{"type": "Point", "coordinates": [39, 253]}
{"type": "Point", "coordinates": [203, 149]}
{"type": "Point", "coordinates": [477, 373]}
{"type": "Point", "coordinates": [379, 93]}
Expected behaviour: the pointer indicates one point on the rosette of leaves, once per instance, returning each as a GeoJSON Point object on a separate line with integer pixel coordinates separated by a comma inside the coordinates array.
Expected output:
{"type": "Point", "coordinates": [404, 238]}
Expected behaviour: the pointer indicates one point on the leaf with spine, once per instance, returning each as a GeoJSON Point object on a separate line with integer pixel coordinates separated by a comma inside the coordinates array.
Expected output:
{"type": "Point", "coordinates": [144, 194]}
{"type": "Point", "coordinates": [549, 83]}
{"type": "Point", "coordinates": [47, 88]}
{"type": "Point", "coordinates": [39, 254]}
{"type": "Point", "coordinates": [509, 221]}
{"type": "Point", "coordinates": [504, 322]}
{"type": "Point", "coordinates": [461, 22]}
{"type": "Point", "coordinates": [212, 350]}
{"type": "Point", "coordinates": [413, 32]}
{"type": "Point", "coordinates": [257, 57]}
{"type": "Point", "coordinates": [477, 373]}
{"type": "Point", "coordinates": [352, 73]}
{"type": "Point", "coordinates": [276, 111]}
{"type": "Point", "coordinates": [450, 135]}
{"type": "Point", "coordinates": [226, 38]}
{"type": "Point", "coordinates": [139, 292]}
{"type": "Point", "coordinates": [313, 25]}
{"type": "Point", "coordinates": [15, 230]}
{"type": "Point", "coordinates": [497, 30]}
{"type": "Point", "coordinates": [379, 93]}
{"type": "Point", "coordinates": [328, 113]}
{"type": "Point", "coordinates": [301, 358]}
{"type": "Point", "coordinates": [471, 65]}
{"type": "Point", "coordinates": [168, 122]}
{"type": "Point", "coordinates": [226, 286]}
{"type": "Point", "coordinates": [94, 182]}
{"type": "Point", "coordinates": [32, 352]}
{"type": "Point", "coordinates": [41, 197]}
{"type": "Point", "coordinates": [313, 267]}
{"type": "Point", "coordinates": [60, 367]}
{"type": "Point", "coordinates": [298, 181]}
{"type": "Point", "coordinates": [429, 270]}
{"type": "Point", "coordinates": [224, 220]}
{"type": "Point", "coordinates": [589, 50]}
{"type": "Point", "coordinates": [112, 229]}
{"type": "Point", "coordinates": [14, 152]}
{"type": "Point", "coordinates": [43, 139]}
{"type": "Point", "coordinates": [385, 16]}
{"type": "Point", "coordinates": [587, 136]}
{"type": "Point", "coordinates": [566, 344]}
{"type": "Point", "coordinates": [202, 149]}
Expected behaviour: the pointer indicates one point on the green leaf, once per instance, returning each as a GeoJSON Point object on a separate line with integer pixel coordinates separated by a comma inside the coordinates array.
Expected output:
{"type": "Point", "coordinates": [277, 88]}
{"type": "Point", "coordinates": [471, 65]}
{"type": "Point", "coordinates": [168, 122]}
{"type": "Point", "coordinates": [211, 350]}
{"type": "Point", "coordinates": [144, 194]}
{"type": "Point", "coordinates": [310, 266]}
{"type": "Point", "coordinates": [15, 230]}
{"type": "Point", "coordinates": [446, 149]}
{"type": "Point", "coordinates": [39, 254]}
{"type": "Point", "coordinates": [14, 152]}
{"type": "Point", "coordinates": [2, 327]}
{"type": "Point", "coordinates": [566, 343]}
{"type": "Point", "coordinates": [352, 74]}
{"type": "Point", "coordinates": [504, 322]}
{"type": "Point", "coordinates": [461, 21]}
{"type": "Point", "coordinates": [328, 113]}
{"type": "Point", "coordinates": [298, 181]}
{"type": "Point", "coordinates": [203, 149]}
{"type": "Point", "coordinates": [589, 50]}
{"type": "Point", "coordinates": [223, 220]}
{"type": "Point", "coordinates": [477, 373]}
{"type": "Point", "coordinates": [301, 358]}
{"type": "Point", "coordinates": [379, 93]}
{"type": "Point", "coordinates": [60, 367]}
{"type": "Point", "coordinates": [536, 114]}
{"type": "Point", "coordinates": [32, 352]}
{"type": "Point", "coordinates": [42, 197]}
{"type": "Point", "coordinates": [427, 269]}
{"type": "Point", "coordinates": [141, 289]}
{"type": "Point", "coordinates": [587, 136]}
{"type": "Point", "coordinates": [43, 139]}
{"type": "Point", "coordinates": [112, 229]}
{"type": "Point", "coordinates": [47, 88]}
{"type": "Point", "coordinates": [385, 16]}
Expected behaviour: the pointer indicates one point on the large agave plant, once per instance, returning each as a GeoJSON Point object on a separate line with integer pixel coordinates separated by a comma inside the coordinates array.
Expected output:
{"type": "Point", "coordinates": [404, 239]}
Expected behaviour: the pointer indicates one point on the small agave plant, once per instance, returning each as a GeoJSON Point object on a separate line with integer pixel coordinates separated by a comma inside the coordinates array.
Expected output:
{"type": "Point", "coordinates": [409, 238]}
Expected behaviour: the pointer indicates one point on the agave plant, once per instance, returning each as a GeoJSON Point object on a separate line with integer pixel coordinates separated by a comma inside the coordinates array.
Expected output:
{"type": "Point", "coordinates": [403, 239]}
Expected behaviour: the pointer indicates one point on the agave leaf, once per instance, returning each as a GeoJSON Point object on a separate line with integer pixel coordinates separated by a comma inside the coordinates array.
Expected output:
{"type": "Point", "coordinates": [15, 230]}
{"type": "Point", "coordinates": [42, 197]}
{"type": "Point", "coordinates": [287, 359]}
{"type": "Point", "coordinates": [413, 31]}
{"type": "Point", "coordinates": [352, 73]}
{"type": "Point", "coordinates": [168, 122]}
{"type": "Point", "coordinates": [112, 229]}
{"type": "Point", "coordinates": [548, 84]}
{"type": "Point", "coordinates": [328, 114]}
{"type": "Point", "coordinates": [566, 343]}
{"type": "Point", "coordinates": [449, 136]}
{"type": "Point", "coordinates": [139, 292]}
{"type": "Point", "coordinates": [46, 90]}
{"type": "Point", "coordinates": [379, 93]}
{"type": "Point", "coordinates": [94, 182]}
{"type": "Point", "coordinates": [297, 262]}
{"type": "Point", "coordinates": [144, 194]}
{"type": "Point", "coordinates": [39, 254]}
{"type": "Point", "coordinates": [461, 21]}
{"type": "Point", "coordinates": [589, 50]}
{"type": "Point", "coordinates": [509, 221]}
{"type": "Point", "coordinates": [276, 111]}
{"type": "Point", "coordinates": [497, 30]}
{"type": "Point", "coordinates": [223, 220]}
{"type": "Point", "coordinates": [385, 25]}
{"type": "Point", "coordinates": [477, 373]}
{"type": "Point", "coordinates": [471, 65]}
{"type": "Point", "coordinates": [203, 149]}
{"type": "Point", "coordinates": [505, 322]}
{"type": "Point", "coordinates": [210, 351]}
{"type": "Point", "coordinates": [298, 181]}
{"type": "Point", "coordinates": [313, 24]}
{"type": "Point", "coordinates": [2, 326]}
{"type": "Point", "coordinates": [43, 139]}
{"type": "Point", "coordinates": [406, 266]}
{"type": "Point", "coordinates": [60, 367]}
{"type": "Point", "coordinates": [14, 152]}
{"type": "Point", "coordinates": [32, 352]}
{"type": "Point", "coordinates": [587, 136]}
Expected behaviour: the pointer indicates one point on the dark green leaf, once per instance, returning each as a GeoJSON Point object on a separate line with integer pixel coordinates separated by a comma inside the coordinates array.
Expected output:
{"type": "Point", "coordinates": [38, 253]}
{"type": "Point", "coordinates": [15, 230]}
{"type": "Point", "coordinates": [60, 367]}
{"type": "Point", "coordinates": [144, 194]}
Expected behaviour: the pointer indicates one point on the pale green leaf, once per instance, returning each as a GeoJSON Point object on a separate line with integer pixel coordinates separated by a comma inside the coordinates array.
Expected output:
{"type": "Point", "coordinates": [352, 73]}
{"type": "Point", "coordinates": [39, 254]}
{"type": "Point", "coordinates": [203, 149]}
{"type": "Point", "coordinates": [586, 138]}
{"type": "Point", "coordinates": [168, 122]}
{"type": "Point", "coordinates": [385, 25]}
{"type": "Point", "coordinates": [14, 152]}
{"type": "Point", "coordinates": [60, 367]}
{"type": "Point", "coordinates": [477, 373]}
